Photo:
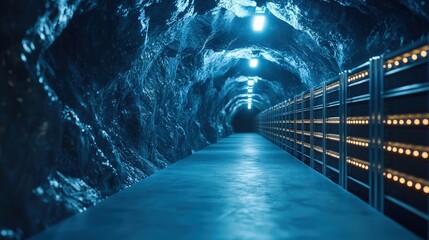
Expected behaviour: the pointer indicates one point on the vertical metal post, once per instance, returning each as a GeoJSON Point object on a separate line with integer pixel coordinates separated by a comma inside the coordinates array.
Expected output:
{"type": "Point", "coordinates": [278, 125]}
{"type": "Point", "coordinates": [267, 124]}
{"type": "Point", "coordinates": [289, 126]}
{"type": "Point", "coordinates": [284, 125]}
{"type": "Point", "coordinates": [343, 129]}
{"type": "Point", "coordinates": [263, 124]}
{"type": "Point", "coordinates": [275, 125]}
{"type": "Point", "coordinates": [295, 154]}
{"type": "Point", "coordinates": [279, 136]}
{"type": "Point", "coordinates": [271, 124]}
{"type": "Point", "coordinates": [376, 133]}
{"type": "Point", "coordinates": [302, 128]}
{"type": "Point", "coordinates": [324, 128]}
{"type": "Point", "coordinates": [312, 127]}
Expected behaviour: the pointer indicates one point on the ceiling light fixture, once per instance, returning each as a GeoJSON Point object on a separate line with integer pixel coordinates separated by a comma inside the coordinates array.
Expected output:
{"type": "Point", "coordinates": [259, 19]}
{"type": "Point", "coordinates": [253, 62]}
{"type": "Point", "coordinates": [258, 23]}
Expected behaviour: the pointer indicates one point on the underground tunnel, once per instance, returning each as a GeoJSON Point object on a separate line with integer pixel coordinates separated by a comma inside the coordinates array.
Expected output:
{"type": "Point", "coordinates": [214, 119]}
{"type": "Point", "coordinates": [242, 121]}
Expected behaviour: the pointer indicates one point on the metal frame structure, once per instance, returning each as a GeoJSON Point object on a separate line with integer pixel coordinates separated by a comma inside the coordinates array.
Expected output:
{"type": "Point", "coordinates": [368, 131]}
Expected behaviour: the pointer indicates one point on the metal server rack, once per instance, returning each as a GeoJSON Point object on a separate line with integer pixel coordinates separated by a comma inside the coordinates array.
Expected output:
{"type": "Point", "coordinates": [357, 102]}
{"type": "Point", "coordinates": [288, 127]}
{"type": "Point", "coordinates": [332, 130]}
{"type": "Point", "coordinates": [306, 125]}
{"type": "Point", "coordinates": [405, 148]}
{"type": "Point", "coordinates": [318, 131]}
{"type": "Point", "coordinates": [368, 131]}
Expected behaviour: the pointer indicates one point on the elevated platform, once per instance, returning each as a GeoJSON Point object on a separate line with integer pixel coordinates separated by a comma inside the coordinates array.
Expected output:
{"type": "Point", "coordinates": [242, 187]}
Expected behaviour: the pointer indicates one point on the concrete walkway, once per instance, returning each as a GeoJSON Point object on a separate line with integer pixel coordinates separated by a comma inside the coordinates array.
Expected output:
{"type": "Point", "coordinates": [242, 187]}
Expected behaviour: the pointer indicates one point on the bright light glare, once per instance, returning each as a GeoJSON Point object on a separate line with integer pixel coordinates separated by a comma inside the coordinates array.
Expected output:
{"type": "Point", "coordinates": [258, 23]}
{"type": "Point", "coordinates": [249, 90]}
{"type": "Point", "coordinates": [249, 106]}
{"type": "Point", "coordinates": [249, 100]}
{"type": "Point", "coordinates": [250, 82]}
{"type": "Point", "coordinates": [249, 95]}
{"type": "Point", "coordinates": [253, 62]}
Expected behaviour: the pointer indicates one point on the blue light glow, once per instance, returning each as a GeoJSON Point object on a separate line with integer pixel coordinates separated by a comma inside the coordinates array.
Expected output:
{"type": "Point", "coordinates": [258, 23]}
{"type": "Point", "coordinates": [253, 63]}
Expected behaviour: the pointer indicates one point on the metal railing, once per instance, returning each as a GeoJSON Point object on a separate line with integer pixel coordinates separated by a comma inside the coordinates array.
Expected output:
{"type": "Point", "coordinates": [368, 131]}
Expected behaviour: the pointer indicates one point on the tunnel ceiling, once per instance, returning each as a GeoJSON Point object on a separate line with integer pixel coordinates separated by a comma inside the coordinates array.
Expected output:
{"type": "Point", "coordinates": [105, 93]}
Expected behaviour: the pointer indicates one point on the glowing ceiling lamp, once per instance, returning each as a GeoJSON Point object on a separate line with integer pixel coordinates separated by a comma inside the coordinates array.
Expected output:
{"type": "Point", "coordinates": [249, 101]}
{"type": "Point", "coordinates": [258, 23]}
{"type": "Point", "coordinates": [259, 19]}
{"type": "Point", "coordinates": [253, 63]}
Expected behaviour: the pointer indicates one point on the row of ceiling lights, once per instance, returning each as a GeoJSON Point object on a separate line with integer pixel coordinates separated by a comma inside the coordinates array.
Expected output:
{"type": "Point", "coordinates": [258, 25]}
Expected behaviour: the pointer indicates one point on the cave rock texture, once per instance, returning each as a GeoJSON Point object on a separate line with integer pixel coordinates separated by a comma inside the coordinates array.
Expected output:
{"type": "Point", "coordinates": [96, 95]}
